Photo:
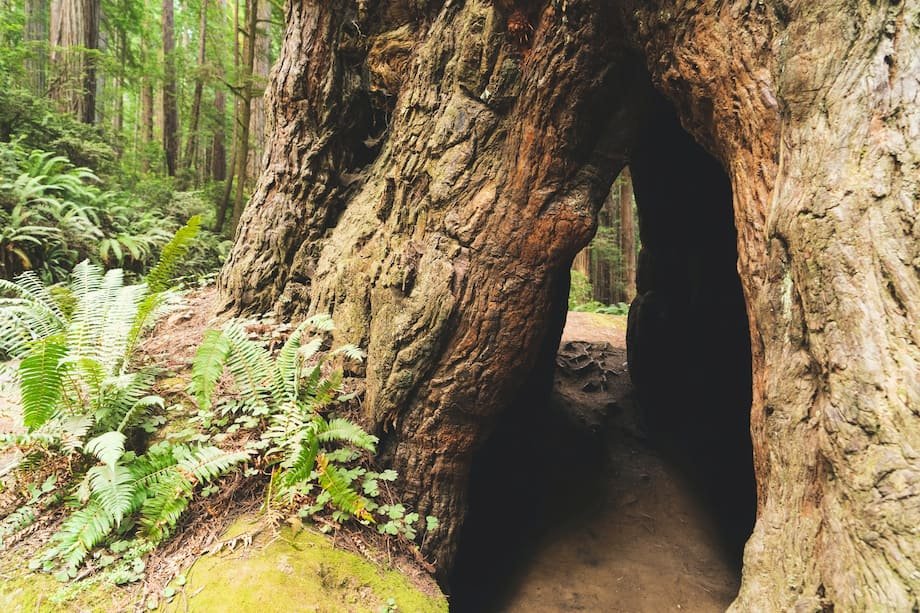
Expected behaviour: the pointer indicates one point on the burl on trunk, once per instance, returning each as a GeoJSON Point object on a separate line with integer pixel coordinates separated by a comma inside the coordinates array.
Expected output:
{"type": "Point", "coordinates": [431, 174]}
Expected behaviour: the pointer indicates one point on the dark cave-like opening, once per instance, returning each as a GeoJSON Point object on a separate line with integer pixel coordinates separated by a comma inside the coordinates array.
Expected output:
{"type": "Point", "coordinates": [547, 472]}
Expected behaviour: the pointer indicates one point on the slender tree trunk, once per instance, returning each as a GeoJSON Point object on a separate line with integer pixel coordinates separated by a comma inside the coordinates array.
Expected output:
{"type": "Point", "coordinates": [627, 235]}
{"type": "Point", "coordinates": [36, 35]}
{"type": "Point", "coordinates": [218, 148]}
{"type": "Point", "coordinates": [74, 32]}
{"type": "Point", "coordinates": [191, 147]}
{"type": "Point", "coordinates": [118, 120]}
{"type": "Point", "coordinates": [224, 206]}
{"type": "Point", "coordinates": [442, 244]}
{"type": "Point", "coordinates": [261, 67]}
{"type": "Point", "coordinates": [241, 154]}
{"type": "Point", "coordinates": [170, 102]}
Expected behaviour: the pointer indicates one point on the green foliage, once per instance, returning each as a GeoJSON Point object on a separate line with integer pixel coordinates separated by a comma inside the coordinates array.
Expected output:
{"type": "Point", "coordinates": [620, 308]}
{"type": "Point", "coordinates": [580, 290]}
{"type": "Point", "coordinates": [56, 214]}
{"type": "Point", "coordinates": [153, 489]}
{"type": "Point", "coordinates": [289, 391]}
{"type": "Point", "coordinates": [80, 400]}
{"type": "Point", "coordinates": [316, 457]}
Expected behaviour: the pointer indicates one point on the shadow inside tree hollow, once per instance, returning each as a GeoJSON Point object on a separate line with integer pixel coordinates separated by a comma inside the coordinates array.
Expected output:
{"type": "Point", "coordinates": [574, 507]}
{"type": "Point", "coordinates": [647, 505]}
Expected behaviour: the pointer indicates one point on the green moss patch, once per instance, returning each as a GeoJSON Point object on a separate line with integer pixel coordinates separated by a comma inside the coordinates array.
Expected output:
{"type": "Point", "coordinates": [296, 572]}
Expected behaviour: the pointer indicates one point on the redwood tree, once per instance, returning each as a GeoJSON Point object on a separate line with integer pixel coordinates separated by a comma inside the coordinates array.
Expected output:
{"type": "Point", "coordinates": [435, 166]}
{"type": "Point", "coordinates": [170, 102]}
{"type": "Point", "coordinates": [74, 31]}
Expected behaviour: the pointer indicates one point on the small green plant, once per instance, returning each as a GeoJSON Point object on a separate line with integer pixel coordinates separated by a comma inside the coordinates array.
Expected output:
{"type": "Point", "coordinates": [316, 457]}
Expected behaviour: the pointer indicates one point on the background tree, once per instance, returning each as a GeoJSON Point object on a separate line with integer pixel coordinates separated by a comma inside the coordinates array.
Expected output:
{"type": "Point", "coordinates": [170, 103]}
{"type": "Point", "coordinates": [74, 34]}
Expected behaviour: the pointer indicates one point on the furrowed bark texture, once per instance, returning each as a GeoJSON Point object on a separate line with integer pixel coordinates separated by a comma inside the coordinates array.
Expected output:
{"type": "Point", "coordinates": [429, 179]}
{"type": "Point", "coordinates": [811, 107]}
{"type": "Point", "coordinates": [449, 255]}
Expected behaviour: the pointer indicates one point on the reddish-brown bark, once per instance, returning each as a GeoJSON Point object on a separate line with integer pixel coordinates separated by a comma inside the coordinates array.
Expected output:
{"type": "Point", "coordinates": [430, 178]}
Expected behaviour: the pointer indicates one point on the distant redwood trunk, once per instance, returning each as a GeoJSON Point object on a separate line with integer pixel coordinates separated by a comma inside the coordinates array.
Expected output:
{"type": "Point", "coordinates": [74, 31]}
{"type": "Point", "coordinates": [431, 175]}
{"type": "Point", "coordinates": [170, 100]}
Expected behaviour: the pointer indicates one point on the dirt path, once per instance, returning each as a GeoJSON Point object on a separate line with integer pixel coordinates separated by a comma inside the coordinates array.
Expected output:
{"type": "Point", "coordinates": [621, 530]}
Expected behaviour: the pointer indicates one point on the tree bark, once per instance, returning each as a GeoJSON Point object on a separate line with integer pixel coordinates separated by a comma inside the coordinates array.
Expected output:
{"type": "Point", "coordinates": [36, 33]}
{"type": "Point", "coordinates": [440, 237]}
{"type": "Point", "coordinates": [170, 102]}
{"type": "Point", "coordinates": [244, 103]}
{"type": "Point", "coordinates": [262, 64]}
{"type": "Point", "coordinates": [218, 148]}
{"type": "Point", "coordinates": [74, 36]}
{"type": "Point", "coordinates": [191, 146]}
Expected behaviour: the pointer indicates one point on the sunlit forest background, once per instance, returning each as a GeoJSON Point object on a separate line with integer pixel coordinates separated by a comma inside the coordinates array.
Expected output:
{"type": "Point", "coordinates": [120, 119]}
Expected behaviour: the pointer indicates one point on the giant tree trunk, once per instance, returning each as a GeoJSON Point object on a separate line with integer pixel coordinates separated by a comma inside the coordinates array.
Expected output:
{"type": "Point", "coordinates": [431, 175]}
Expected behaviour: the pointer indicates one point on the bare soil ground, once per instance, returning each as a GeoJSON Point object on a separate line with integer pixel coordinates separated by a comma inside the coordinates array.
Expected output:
{"type": "Point", "coordinates": [621, 530]}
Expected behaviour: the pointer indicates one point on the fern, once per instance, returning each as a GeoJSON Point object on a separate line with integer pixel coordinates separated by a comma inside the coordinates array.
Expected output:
{"type": "Point", "coordinates": [81, 532]}
{"type": "Point", "coordinates": [157, 487]}
{"type": "Point", "coordinates": [159, 278]}
{"type": "Point", "coordinates": [40, 381]}
{"type": "Point", "coordinates": [343, 431]}
{"type": "Point", "coordinates": [294, 388]}
{"type": "Point", "coordinates": [208, 366]}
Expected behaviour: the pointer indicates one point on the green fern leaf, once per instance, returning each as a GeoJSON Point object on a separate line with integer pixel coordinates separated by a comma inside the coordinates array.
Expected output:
{"type": "Point", "coordinates": [344, 431]}
{"type": "Point", "coordinates": [208, 366]}
{"type": "Point", "coordinates": [81, 532]}
{"type": "Point", "coordinates": [302, 462]}
{"type": "Point", "coordinates": [334, 481]}
{"type": "Point", "coordinates": [115, 487]}
{"type": "Point", "coordinates": [207, 463]}
{"type": "Point", "coordinates": [166, 500]}
{"type": "Point", "coordinates": [108, 447]}
{"type": "Point", "coordinates": [161, 276]}
{"type": "Point", "coordinates": [41, 380]}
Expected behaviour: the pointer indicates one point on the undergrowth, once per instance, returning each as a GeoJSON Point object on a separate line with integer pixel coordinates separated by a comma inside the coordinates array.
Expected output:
{"type": "Point", "coordinates": [92, 452]}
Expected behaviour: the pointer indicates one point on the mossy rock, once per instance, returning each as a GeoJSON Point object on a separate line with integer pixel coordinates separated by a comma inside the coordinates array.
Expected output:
{"type": "Point", "coordinates": [296, 572]}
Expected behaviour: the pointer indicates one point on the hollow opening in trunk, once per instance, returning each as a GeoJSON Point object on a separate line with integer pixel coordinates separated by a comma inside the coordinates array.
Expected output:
{"type": "Point", "coordinates": [630, 488]}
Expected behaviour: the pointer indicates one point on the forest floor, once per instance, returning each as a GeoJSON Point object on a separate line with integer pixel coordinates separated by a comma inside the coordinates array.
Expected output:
{"type": "Point", "coordinates": [621, 530]}
{"type": "Point", "coordinates": [170, 349]}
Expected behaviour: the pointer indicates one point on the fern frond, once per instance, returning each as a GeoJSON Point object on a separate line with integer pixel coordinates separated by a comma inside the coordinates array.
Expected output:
{"type": "Point", "coordinates": [351, 352]}
{"type": "Point", "coordinates": [300, 465]}
{"type": "Point", "coordinates": [82, 531]}
{"type": "Point", "coordinates": [208, 366]}
{"type": "Point", "coordinates": [86, 278]}
{"type": "Point", "coordinates": [166, 500]}
{"type": "Point", "coordinates": [160, 277]}
{"type": "Point", "coordinates": [114, 486]}
{"type": "Point", "coordinates": [108, 448]}
{"type": "Point", "coordinates": [120, 400]}
{"type": "Point", "coordinates": [144, 403]}
{"type": "Point", "coordinates": [344, 496]}
{"type": "Point", "coordinates": [208, 463]}
{"type": "Point", "coordinates": [250, 365]}
{"type": "Point", "coordinates": [321, 321]}
{"type": "Point", "coordinates": [40, 381]}
{"type": "Point", "coordinates": [341, 430]}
